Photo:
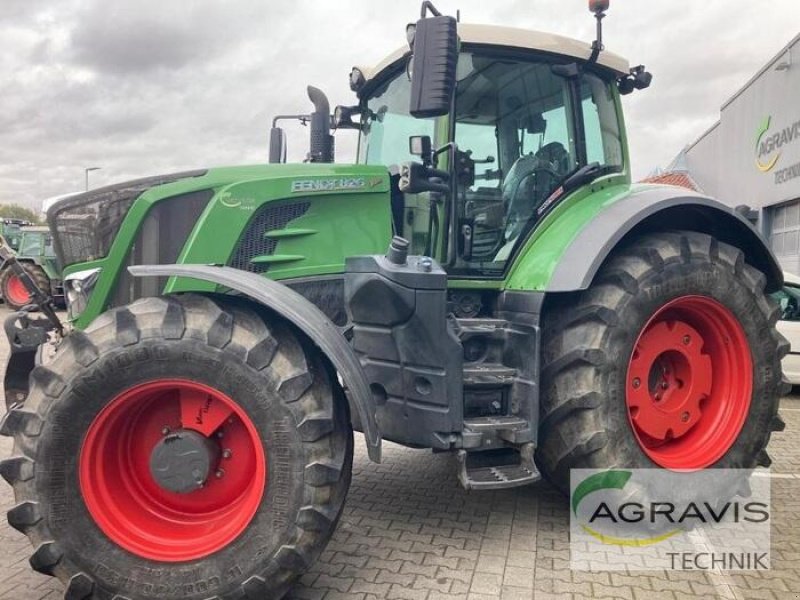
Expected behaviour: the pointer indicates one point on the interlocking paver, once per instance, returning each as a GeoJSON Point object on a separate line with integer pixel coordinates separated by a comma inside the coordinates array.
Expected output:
{"type": "Point", "coordinates": [409, 532]}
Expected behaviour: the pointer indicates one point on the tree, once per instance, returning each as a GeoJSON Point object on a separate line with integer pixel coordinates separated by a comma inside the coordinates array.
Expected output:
{"type": "Point", "coordinates": [15, 211]}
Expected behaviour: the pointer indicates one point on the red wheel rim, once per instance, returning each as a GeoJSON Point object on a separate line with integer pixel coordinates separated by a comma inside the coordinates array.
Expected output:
{"type": "Point", "coordinates": [689, 383]}
{"type": "Point", "coordinates": [129, 505]}
{"type": "Point", "coordinates": [16, 293]}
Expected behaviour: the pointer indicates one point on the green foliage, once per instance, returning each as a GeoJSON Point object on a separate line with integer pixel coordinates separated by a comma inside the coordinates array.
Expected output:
{"type": "Point", "coordinates": [15, 211]}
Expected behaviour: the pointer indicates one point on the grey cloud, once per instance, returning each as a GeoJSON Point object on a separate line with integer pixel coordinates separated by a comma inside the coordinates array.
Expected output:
{"type": "Point", "coordinates": [140, 87]}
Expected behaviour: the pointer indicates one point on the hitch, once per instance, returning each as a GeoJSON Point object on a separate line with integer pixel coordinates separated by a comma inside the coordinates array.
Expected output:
{"type": "Point", "coordinates": [26, 333]}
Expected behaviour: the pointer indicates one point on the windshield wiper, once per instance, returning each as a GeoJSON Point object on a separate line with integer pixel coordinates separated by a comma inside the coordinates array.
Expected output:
{"type": "Point", "coordinates": [584, 175]}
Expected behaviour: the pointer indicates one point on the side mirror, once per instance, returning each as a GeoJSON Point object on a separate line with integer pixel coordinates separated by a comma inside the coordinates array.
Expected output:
{"type": "Point", "coordinates": [277, 145]}
{"type": "Point", "coordinates": [420, 145]}
{"type": "Point", "coordinates": [433, 66]}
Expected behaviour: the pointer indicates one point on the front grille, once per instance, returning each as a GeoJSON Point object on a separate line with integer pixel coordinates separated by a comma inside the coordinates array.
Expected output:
{"type": "Point", "coordinates": [159, 241]}
{"type": "Point", "coordinates": [85, 225]}
{"type": "Point", "coordinates": [254, 242]}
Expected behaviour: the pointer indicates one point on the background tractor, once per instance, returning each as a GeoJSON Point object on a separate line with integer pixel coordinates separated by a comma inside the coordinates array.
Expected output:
{"type": "Point", "coordinates": [34, 250]}
{"type": "Point", "coordinates": [10, 230]}
{"type": "Point", "coordinates": [535, 312]}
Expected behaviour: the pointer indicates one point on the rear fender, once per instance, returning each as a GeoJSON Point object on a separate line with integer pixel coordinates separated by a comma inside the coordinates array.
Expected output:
{"type": "Point", "coordinates": [644, 209]}
{"type": "Point", "coordinates": [302, 314]}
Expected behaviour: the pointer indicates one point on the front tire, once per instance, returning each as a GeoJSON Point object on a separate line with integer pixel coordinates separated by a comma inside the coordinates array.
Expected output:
{"type": "Point", "coordinates": [111, 517]}
{"type": "Point", "coordinates": [670, 359]}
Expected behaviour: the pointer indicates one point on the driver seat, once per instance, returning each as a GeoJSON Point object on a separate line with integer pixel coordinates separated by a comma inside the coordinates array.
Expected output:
{"type": "Point", "coordinates": [519, 180]}
{"type": "Point", "coordinates": [521, 191]}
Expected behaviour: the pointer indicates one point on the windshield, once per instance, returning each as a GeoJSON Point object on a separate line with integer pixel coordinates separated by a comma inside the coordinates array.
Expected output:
{"type": "Point", "coordinates": [386, 125]}
{"type": "Point", "coordinates": [526, 127]}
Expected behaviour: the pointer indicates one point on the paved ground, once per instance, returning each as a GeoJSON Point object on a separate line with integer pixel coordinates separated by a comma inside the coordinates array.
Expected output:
{"type": "Point", "coordinates": [410, 532]}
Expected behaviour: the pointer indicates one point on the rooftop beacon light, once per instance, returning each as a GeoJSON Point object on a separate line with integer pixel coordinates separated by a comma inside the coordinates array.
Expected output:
{"type": "Point", "coordinates": [639, 78]}
{"type": "Point", "coordinates": [599, 8]}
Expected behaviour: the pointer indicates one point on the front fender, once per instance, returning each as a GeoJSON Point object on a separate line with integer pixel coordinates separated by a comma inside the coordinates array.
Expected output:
{"type": "Point", "coordinates": [306, 317]}
{"type": "Point", "coordinates": [567, 255]}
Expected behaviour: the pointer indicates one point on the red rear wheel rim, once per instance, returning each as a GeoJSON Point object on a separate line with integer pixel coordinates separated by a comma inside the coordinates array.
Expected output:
{"type": "Point", "coordinates": [16, 293]}
{"type": "Point", "coordinates": [125, 500]}
{"type": "Point", "coordinates": [689, 383]}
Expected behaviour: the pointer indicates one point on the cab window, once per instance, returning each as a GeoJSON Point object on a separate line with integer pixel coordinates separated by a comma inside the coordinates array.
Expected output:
{"type": "Point", "coordinates": [526, 127]}
{"type": "Point", "coordinates": [386, 124]}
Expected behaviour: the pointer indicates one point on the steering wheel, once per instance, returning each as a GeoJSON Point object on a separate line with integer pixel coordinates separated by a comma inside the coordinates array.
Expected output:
{"type": "Point", "coordinates": [520, 194]}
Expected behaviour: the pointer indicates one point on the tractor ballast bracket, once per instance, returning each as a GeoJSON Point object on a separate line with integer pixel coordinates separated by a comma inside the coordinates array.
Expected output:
{"type": "Point", "coordinates": [26, 335]}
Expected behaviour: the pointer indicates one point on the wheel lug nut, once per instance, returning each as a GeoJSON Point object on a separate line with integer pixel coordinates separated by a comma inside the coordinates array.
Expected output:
{"type": "Point", "coordinates": [664, 385]}
{"type": "Point", "coordinates": [220, 473]}
{"type": "Point", "coordinates": [227, 453]}
{"type": "Point", "coordinates": [220, 434]}
{"type": "Point", "coordinates": [164, 430]}
{"type": "Point", "coordinates": [686, 340]}
{"type": "Point", "coordinates": [658, 397]}
{"type": "Point", "coordinates": [636, 382]}
{"type": "Point", "coordinates": [685, 417]}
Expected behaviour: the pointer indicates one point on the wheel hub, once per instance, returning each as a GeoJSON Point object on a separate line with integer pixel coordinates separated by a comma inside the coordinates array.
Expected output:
{"type": "Point", "coordinates": [669, 357]}
{"type": "Point", "coordinates": [689, 383]}
{"type": "Point", "coordinates": [16, 291]}
{"type": "Point", "coordinates": [172, 470]}
{"type": "Point", "coordinates": [182, 461]}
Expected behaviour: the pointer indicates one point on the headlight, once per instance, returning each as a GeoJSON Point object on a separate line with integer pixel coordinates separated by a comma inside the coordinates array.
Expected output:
{"type": "Point", "coordinates": [77, 290]}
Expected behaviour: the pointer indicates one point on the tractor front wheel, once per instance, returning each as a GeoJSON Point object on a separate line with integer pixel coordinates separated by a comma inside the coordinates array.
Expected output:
{"type": "Point", "coordinates": [180, 448]}
{"type": "Point", "coordinates": [670, 359]}
{"type": "Point", "coordinates": [15, 294]}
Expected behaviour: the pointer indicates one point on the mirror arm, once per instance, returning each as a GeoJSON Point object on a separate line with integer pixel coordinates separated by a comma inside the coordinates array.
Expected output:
{"type": "Point", "coordinates": [304, 119]}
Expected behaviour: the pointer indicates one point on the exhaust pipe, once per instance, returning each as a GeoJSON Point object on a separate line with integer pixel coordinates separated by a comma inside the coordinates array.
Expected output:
{"type": "Point", "coordinates": [321, 146]}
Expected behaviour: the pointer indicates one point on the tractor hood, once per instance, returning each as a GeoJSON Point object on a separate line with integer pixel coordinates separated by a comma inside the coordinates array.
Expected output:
{"type": "Point", "coordinates": [85, 225]}
{"type": "Point", "coordinates": [288, 222]}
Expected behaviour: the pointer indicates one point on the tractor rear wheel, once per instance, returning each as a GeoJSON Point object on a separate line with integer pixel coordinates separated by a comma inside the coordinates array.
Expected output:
{"type": "Point", "coordinates": [179, 448]}
{"type": "Point", "coordinates": [670, 359]}
{"type": "Point", "coordinates": [15, 293]}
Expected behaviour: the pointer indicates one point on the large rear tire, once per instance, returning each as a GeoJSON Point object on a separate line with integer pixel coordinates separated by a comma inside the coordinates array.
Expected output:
{"type": "Point", "coordinates": [114, 512]}
{"type": "Point", "coordinates": [14, 292]}
{"type": "Point", "coordinates": [670, 359]}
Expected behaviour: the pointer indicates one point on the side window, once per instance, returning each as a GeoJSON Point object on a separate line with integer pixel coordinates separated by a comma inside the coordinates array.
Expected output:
{"type": "Point", "coordinates": [481, 141]}
{"type": "Point", "coordinates": [603, 136]}
{"type": "Point", "coordinates": [555, 131]}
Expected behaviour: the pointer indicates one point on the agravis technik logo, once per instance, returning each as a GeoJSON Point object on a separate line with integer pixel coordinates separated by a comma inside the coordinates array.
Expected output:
{"type": "Point", "coordinates": [769, 143]}
{"type": "Point", "coordinates": [654, 518]}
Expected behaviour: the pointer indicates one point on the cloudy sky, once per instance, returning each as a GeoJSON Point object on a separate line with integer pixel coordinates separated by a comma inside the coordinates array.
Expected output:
{"type": "Point", "coordinates": [142, 87]}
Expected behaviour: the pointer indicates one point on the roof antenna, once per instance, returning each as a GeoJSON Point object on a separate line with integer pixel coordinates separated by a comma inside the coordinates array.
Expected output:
{"type": "Point", "coordinates": [458, 15]}
{"type": "Point", "coordinates": [598, 7]}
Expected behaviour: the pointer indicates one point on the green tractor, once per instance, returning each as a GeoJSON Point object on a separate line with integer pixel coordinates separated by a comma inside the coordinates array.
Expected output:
{"type": "Point", "coordinates": [34, 249]}
{"type": "Point", "coordinates": [486, 281]}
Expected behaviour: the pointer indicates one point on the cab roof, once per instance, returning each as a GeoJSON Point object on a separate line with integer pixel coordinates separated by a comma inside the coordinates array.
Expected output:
{"type": "Point", "coordinates": [513, 37]}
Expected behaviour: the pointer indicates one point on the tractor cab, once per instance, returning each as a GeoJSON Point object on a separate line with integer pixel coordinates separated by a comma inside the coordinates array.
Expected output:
{"type": "Point", "coordinates": [533, 116]}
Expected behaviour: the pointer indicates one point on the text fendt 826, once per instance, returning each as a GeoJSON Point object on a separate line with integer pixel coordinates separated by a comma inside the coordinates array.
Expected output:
{"type": "Point", "coordinates": [535, 312]}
